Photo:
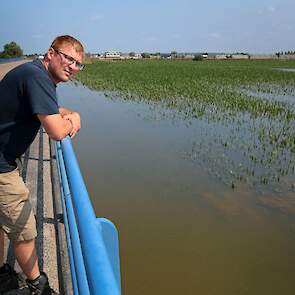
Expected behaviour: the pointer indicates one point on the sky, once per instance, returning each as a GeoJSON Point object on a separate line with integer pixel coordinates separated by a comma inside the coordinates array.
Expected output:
{"type": "Point", "coordinates": [229, 26]}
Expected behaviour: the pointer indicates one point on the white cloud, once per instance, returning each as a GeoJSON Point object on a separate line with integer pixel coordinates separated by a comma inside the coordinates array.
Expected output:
{"type": "Point", "coordinates": [95, 18]}
{"type": "Point", "coordinates": [267, 10]}
{"type": "Point", "coordinates": [176, 36]}
{"type": "Point", "coordinates": [37, 36]}
{"type": "Point", "coordinates": [214, 35]}
{"type": "Point", "coordinates": [271, 9]}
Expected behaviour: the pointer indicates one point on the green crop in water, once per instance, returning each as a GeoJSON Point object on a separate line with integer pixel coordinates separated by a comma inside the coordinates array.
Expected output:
{"type": "Point", "coordinates": [189, 84]}
{"type": "Point", "coordinates": [253, 98]}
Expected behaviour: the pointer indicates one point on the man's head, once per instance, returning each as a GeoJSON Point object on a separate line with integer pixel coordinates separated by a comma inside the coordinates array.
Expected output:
{"type": "Point", "coordinates": [64, 58]}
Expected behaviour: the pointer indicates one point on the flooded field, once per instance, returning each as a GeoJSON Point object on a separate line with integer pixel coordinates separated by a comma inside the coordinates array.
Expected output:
{"type": "Point", "coordinates": [202, 193]}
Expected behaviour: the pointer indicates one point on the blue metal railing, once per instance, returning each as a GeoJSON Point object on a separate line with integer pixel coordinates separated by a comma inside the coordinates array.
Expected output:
{"type": "Point", "coordinates": [92, 242]}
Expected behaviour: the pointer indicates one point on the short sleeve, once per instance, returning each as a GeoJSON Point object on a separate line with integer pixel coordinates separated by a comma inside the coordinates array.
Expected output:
{"type": "Point", "coordinates": [41, 95]}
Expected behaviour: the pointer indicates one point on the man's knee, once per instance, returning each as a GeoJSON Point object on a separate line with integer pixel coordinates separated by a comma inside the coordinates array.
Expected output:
{"type": "Point", "coordinates": [16, 215]}
{"type": "Point", "coordinates": [23, 242]}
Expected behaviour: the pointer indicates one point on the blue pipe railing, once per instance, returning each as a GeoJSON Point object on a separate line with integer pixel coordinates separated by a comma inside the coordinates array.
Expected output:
{"type": "Point", "coordinates": [92, 242]}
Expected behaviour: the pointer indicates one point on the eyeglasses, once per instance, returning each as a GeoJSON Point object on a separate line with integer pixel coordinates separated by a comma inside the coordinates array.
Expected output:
{"type": "Point", "coordinates": [70, 60]}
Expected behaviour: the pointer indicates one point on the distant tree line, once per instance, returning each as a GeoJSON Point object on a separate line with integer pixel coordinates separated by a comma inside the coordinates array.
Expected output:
{"type": "Point", "coordinates": [11, 50]}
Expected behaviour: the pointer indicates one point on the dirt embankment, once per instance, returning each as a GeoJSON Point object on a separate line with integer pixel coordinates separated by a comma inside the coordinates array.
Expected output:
{"type": "Point", "coordinates": [4, 68]}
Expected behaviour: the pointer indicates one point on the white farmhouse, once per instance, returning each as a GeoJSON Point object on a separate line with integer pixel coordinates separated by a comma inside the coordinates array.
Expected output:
{"type": "Point", "coordinates": [137, 56]}
{"type": "Point", "coordinates": [112, 55]}
{"type": "Point", "coordinates": [240, 56]}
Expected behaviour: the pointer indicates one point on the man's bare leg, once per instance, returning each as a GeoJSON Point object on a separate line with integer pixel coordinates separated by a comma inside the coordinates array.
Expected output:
{"type": "Point", "coordinates": [1, 247]}
{"type": "Point", "coordinates": [26, 256]}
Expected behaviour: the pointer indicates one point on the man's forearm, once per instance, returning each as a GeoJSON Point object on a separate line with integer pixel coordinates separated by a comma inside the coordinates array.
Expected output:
{"type": "Point", "coordinates": [56, 126]}
{"type": "Point", "coordinates": [73, 117]}
{"type": "Point", "coordinates": [64, 111]}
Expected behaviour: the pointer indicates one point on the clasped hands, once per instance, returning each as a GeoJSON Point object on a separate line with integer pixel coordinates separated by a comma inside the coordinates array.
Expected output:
{"type": "Point", "coordinates": [75, 120]}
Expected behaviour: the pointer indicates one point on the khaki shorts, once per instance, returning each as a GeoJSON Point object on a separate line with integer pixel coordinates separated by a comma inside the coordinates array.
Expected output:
{"type": "Point", "coordinates": [16, 215]}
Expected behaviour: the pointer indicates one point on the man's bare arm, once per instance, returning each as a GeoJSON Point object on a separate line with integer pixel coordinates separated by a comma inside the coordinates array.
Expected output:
{"type": "Point", "coordinates": [63, 111]}
{"type": "Point", "coordinates": [72, 116]}
{"type": "Point", "coordinates": [56, 126]}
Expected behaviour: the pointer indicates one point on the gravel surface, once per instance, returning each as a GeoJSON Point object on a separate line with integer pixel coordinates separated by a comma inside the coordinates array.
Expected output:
{"type": "Point", "coordinates": [4, 68]}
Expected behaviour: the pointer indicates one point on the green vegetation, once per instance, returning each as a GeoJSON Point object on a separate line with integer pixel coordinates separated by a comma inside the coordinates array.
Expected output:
{"type": "Point", "coordinates": [194, 86]}
{"type": "Point", "coordinates": [248, 107]}
{"type": "Point", "coordinates": [11, 50]}
{"type": "Point", "coordinates": [198, 57]}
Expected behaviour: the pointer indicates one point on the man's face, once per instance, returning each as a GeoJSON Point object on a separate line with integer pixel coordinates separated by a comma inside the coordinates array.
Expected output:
{"type": "Point", "coordinates": [64, 63]}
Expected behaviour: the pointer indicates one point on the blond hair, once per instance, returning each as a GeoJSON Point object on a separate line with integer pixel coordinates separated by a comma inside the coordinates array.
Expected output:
{"type": "Point", "coordinates": [60, 41]}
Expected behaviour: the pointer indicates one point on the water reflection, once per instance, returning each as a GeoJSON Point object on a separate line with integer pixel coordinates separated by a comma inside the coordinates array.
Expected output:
{"type": "Point", "coordinates": [182, 230]}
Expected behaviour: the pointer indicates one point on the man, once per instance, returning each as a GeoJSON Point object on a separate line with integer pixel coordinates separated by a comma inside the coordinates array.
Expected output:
{"type": "Point", "coordinates": [27, 100]}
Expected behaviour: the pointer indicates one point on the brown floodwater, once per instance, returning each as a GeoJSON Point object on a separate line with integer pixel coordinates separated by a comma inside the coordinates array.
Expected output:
{"type": "Point", "coordinates": [182, 230]}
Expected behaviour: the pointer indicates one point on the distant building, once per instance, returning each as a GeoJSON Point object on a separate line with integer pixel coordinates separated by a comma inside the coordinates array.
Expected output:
{"type": "Point", "coordinates": [188, 56]}
{"type": "Point", "coordinates": [222, 56]}
{"type": "Point", "coordinates": [112, 55]}
{"type": "Point", "coordinates": [232, 56]}
{"type": "Point", "coordinates": [125, 56]}
{"type": "Point", "coordinates": [137, 56]}
{"type": "Point", "coordinates": [155, 56]}
{"type": "Point", "coordinates": [240, 56]}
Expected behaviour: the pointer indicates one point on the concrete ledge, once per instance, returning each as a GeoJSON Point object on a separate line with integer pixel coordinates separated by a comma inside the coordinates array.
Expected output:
{"type": "Point", "coordinates": [5, 68]}
{"type": "Point", "coordinates": [39, 172]}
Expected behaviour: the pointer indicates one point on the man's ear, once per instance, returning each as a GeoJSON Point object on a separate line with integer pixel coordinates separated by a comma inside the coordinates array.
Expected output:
{"type": "Point", "coordinates": [50, 53]}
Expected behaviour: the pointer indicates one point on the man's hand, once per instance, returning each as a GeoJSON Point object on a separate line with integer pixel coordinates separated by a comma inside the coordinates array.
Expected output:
{"type": "Point", "coordinates": [75, 119]}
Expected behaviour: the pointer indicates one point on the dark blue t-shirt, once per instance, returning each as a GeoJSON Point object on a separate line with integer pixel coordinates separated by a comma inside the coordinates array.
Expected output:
{"type": "Point", "coordinates": [25, 91]}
